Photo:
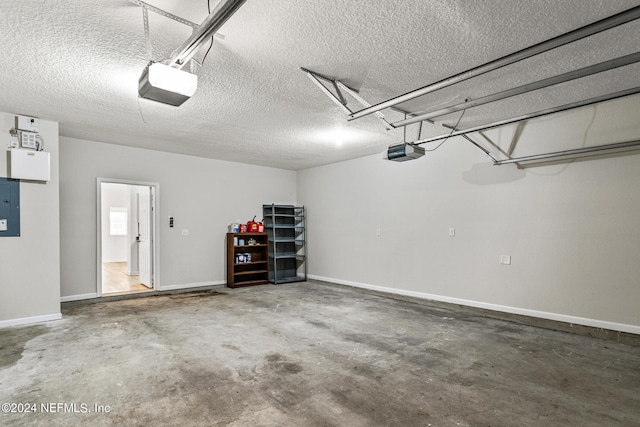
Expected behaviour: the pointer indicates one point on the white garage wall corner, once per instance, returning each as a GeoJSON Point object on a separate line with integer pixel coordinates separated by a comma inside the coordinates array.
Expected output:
{"type": "Point", "coordinates": [571, 230]}
{"type": "Point", "coordinates": [30, 263]}
{"type": "Point", "coordinates": [203, 195]}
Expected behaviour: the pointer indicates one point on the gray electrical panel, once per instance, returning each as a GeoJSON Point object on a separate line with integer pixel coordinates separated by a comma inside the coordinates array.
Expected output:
{"type": "Point", "coordinates": [9, 207]}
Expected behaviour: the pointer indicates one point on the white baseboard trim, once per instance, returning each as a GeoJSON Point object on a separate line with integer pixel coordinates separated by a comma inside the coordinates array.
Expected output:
{"type": "Point", "coordinates": [191, 285]}
{"type": "Point", "coordinates": [595, 323]}
{"type": "Point", "coordinates": [78, 297]}
{"type": "Point", "coordinates": [29, 320]}
{"type": "Point", "coordinates": [133, 273]}
{"type": "Point", "coordinates": [163, 288]}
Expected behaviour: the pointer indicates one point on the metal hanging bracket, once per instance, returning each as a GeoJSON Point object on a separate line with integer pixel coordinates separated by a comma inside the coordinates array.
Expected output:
{"type": "Point", "coordinates": [340, 100]}
{"type": "Point", "coordinates": [152, 8]}
{"type": "Point", "coordinates": [337, 99]}
{"type": "Point", "coordinates": [146, 7]}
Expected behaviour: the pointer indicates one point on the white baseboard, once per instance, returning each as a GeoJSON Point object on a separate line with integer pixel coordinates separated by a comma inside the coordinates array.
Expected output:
{"type": "Point", "coordinates": [30, 320]}
{"type": "Point", "coordinates": [595, 323]}
{"type": "Point", "coordinates": [191, 285]}
{"type": "Point", "coordinates": [163, 288]}
{"type": "Point", "coordinates": [78, 297]}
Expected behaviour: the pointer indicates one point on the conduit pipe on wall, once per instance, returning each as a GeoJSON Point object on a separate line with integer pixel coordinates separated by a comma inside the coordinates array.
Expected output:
{"type": "Point", "coordinates": [563, 39]}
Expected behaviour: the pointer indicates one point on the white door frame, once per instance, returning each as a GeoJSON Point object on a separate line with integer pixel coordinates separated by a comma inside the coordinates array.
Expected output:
{"type": "Point", "coordinates": [155, 193]}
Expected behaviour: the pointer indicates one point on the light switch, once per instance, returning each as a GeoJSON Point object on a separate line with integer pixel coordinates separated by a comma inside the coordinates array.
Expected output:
{"type": "Point", "coordinates": [3, 225]}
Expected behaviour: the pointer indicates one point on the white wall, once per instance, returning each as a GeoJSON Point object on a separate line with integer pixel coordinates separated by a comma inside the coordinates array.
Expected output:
{"type": "Point", "coordinates": [114, 248]}
{"type": "Point", "coordinates": [203, 195]}
{"type": "Point", "coordinates": [571, 229]}
{"type": "Point", "coordinates": [30, 263]}
{"type": "Point", "coordinates": [136, 193]}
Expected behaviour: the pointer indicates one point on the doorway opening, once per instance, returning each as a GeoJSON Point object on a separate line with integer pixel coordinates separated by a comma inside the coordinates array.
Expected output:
{"type": "Point", "coordinates": [126, 237]}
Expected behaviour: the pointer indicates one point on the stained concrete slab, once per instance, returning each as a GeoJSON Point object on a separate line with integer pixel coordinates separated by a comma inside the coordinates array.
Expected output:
{"type": "Point", "coordinates": [308, 354]}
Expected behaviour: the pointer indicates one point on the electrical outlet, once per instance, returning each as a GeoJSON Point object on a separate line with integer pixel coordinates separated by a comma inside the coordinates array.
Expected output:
{"type": "Point", "coordinates": [185, 232]}
{"type": "Point", "coordinates": [378, 232]}
{"type": "Point", "coordinates": [505, 259]}
{"type": "Point", "coordinates": [452, 232]}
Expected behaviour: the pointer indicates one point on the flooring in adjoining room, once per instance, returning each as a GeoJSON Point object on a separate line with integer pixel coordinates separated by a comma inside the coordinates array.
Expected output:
{"type": "Point", "coordinates": [309, 354]}
{"type": "Point", "coordinates": [115, 279]}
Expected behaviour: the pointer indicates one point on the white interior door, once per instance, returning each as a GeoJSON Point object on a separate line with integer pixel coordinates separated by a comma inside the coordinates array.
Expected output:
{"type": "Point", "coordinates": [145, 237]}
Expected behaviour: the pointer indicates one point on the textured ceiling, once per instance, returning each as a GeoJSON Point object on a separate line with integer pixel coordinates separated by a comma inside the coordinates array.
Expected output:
{"type": "Point", "coordinates": [77, 62]}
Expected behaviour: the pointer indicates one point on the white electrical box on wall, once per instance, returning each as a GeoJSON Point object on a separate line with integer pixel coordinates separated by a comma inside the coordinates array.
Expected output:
{"type": "Point", "coordinates": [30, 164]}
{"type": "Point", "coordinates": [30, 124]}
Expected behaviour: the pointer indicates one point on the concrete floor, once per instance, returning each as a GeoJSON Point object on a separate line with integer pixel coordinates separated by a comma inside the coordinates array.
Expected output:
{"type": "Point", "coordinates": [308, 354]}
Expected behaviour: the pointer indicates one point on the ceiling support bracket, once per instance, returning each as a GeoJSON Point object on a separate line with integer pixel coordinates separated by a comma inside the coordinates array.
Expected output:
{"type": "Point", "coordinates": [364, 103]}
{"type": "Point", "coordinates": [146, 7]}
{"type": "Point", "coordinates": [481, 148]}
{"type": "Point", "coordinates": [152, 8]}
{"type": "Point", "coordinates": [343, 101]}
{"type": "Point", "coordinates": [465, 136]}
{"type": "Point", "coordinates": [339, 98]}
{"type": "Point", "coordinates": [147, 36]}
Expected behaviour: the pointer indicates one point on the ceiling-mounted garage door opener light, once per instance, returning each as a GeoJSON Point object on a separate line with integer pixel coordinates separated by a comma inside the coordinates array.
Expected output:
{"type": "Point", "coordinates": [168, 83]}
{"type": "Point", "coordinates": [162, 83]}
